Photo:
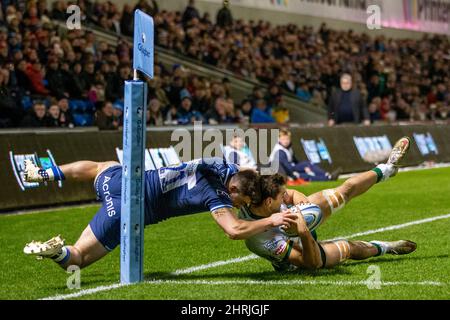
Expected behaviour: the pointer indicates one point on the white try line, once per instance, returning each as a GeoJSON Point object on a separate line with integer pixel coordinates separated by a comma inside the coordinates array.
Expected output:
{"type": "Point", "coordinates": [293, 282]}
{"type": "Point", "coordinates": [251, 257]}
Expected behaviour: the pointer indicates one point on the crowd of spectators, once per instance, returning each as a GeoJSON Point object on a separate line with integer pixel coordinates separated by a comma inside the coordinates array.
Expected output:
{"type": "Point", "coordinates": [49, 79]}
{"type": "Point", "coordinates": [79, 80]}
{"type": "Point", "coordinates": [400, 79]}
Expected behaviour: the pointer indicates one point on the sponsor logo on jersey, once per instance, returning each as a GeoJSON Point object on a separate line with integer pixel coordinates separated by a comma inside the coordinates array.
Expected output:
{"type": "Point", "coordinates": [275, 246]}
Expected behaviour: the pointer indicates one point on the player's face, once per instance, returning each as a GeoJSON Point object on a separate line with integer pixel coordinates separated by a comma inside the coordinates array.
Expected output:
{"type": "Point", "coordinates": [273, 205]}
{"type": "Point", "coordinates": [239, 200]}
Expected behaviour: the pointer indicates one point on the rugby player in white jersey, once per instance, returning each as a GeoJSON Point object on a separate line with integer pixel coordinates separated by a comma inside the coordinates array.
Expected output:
{"type": "Point", "coordinates": [298, 247]}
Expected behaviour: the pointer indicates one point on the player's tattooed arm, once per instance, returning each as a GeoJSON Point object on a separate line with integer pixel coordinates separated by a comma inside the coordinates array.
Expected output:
{"type": "Point", "coordinates": [220, 212]}
{"type": "Point", "coordinates": [237, 229]}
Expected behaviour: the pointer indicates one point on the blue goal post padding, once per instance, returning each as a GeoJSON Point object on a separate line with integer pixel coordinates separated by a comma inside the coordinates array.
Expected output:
{"type": "Point", "coordinates": [133, 169]}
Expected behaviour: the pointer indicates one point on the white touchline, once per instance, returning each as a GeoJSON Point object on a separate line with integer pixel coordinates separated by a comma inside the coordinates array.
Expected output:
{"type": "Point", "coordinates": [249, 282]}
{"type": "Point", "coordinates": [85, 292]}
{"type": "Point", "coordinates": [394, 227]}
{"type": "Point", "coordinates": [251, 257]}
{"type": "Point", "coordinates": [294, 282]}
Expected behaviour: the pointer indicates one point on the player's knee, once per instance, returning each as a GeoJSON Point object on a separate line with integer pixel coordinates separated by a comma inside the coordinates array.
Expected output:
{"type": "Point", "coordinates": [344, 249]}
{"type": "Point", "coordinates": [335, 199]}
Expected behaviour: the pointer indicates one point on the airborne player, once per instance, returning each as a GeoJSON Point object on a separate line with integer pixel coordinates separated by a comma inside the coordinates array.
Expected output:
{"type": "Point", "coordinates": [191, 187]}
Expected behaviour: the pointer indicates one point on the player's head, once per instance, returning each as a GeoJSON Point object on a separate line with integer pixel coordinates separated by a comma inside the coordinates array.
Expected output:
{"type": "Point", "coordinates": [284, 138]}
{"type": "Point", "coordinates": [273, 190]}
{"type": "Point", "coordinates": [245, 188]}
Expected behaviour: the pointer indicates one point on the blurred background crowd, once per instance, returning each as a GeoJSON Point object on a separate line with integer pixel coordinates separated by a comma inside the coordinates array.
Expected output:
{"type": "Point", "coordinates": [49, 79]}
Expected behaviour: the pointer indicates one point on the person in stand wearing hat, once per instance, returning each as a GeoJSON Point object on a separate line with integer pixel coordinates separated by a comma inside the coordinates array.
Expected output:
{"type": "Point", "coordinates": [117, 114]}
{"type": "Point", "coordinates": [186, 114]}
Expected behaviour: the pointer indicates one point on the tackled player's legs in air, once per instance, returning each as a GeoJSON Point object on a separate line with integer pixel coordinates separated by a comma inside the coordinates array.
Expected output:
{"type": "Point", "coordinates": [192, 187]}
{"type": "Point", "coordinates": [332, 200]}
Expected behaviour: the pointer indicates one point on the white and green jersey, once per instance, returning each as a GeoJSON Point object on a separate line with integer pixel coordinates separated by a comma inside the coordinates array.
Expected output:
{"type": "Point", "coordinates": [274, 244]}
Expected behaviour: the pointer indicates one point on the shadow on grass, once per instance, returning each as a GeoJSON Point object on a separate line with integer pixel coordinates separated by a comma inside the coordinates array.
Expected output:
{"type": "Point", "coordinates": [392, 259]}
{"type": "Point", "coordinates": [98, 278]}
{"type": "Point", "coordinates": [264, 275]}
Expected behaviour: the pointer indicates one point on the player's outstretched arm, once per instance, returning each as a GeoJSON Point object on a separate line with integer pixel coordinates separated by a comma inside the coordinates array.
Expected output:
{"type": "Point", "coordinates": [237, 229]}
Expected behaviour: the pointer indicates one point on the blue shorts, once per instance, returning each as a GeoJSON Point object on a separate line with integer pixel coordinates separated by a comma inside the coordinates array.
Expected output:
{"type": "Point", "coordinates": [106, 223]}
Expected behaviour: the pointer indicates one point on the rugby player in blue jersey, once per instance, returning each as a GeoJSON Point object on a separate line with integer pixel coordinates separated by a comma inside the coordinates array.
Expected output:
{"type": "Point", "coordinates": [192, 187]}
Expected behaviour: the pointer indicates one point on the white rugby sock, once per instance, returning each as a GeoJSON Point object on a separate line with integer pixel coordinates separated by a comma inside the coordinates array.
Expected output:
{"type": "Point", "coordinates": [383, 247]}
{"type": "Point", "coordinates": [387, 171]}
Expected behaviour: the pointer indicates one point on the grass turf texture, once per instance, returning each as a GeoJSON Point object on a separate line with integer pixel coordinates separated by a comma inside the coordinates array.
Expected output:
{"type": "Point", "coordinates": [194, 240]}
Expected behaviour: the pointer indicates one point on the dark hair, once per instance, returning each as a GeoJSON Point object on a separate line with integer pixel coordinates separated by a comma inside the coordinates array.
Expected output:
{"type": "Point", "coordinates": [271, 185]}
{"type": "Point", "coordinates": [249, 185]}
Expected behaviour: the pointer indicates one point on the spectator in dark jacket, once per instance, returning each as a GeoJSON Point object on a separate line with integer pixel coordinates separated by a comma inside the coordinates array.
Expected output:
{"type": "Point", "coordinates": [294, 169]}
{"type": "Point", "coordinates": [10, 112]}
{"type": "Point", "coordinates": [219, 113]}
{"type": "Point", "coordinates": [88, 74]}
{"type": "Point", "coordinates": [56, 80]}
{"type": "Point", "coordinates": [115, 86]}
{"type": "Point", "coordinates": [36, 118]}
{"type": "Point", "coordinates": [104, 118]}
{"type": "Point", "coordinates": [78, 85]}
{"type": "Point", "coordinates": [186, 114]}
{"type": "Point", "coordinates": [190, 13]}
{"type": "Point", "coordinates": [53, 116]}
{"type": "Point", "coordinates": [224, 16]}
{"type": "Point", "coordinates": [66, 117]}
{"type": "Point", "coordinates": [126, 22]}
{"type": "Point", "coordinates": [347, 105]}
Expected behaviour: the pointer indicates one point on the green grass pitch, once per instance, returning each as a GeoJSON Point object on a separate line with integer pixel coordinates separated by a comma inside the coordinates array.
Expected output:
{"type": "Point", "coordinates": [190, 241]}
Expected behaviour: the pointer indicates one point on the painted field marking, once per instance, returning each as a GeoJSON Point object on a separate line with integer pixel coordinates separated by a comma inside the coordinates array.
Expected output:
{"type": "Point", "coordinates": [251, 257]}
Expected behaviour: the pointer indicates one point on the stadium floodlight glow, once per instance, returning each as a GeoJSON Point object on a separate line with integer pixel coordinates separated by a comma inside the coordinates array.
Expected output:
{"type": "Point", "coordinates": [133, 168]}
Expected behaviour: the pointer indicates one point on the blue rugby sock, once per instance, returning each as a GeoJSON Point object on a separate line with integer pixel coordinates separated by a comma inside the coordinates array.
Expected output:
{"type": "Point", "coordinates": [55, 173]}
{"type": "Point", "coordinates": [62, 257]}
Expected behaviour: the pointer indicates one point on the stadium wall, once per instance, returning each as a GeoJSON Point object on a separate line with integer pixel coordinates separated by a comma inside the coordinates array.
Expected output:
{"type": "Point", "coordinates": [89, 144]}
{"type": "Point", "coordinates": [242, 11]}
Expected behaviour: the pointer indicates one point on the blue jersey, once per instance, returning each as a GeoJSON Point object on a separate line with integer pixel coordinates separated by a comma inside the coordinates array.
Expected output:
{"type": "Point", "coordinates": [187, 188]}
{"type": "Point", "coordinates": [190, 187]}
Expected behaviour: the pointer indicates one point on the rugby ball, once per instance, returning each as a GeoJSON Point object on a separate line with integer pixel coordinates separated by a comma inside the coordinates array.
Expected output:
{"type": "Point", "coordinates": [312, 214]}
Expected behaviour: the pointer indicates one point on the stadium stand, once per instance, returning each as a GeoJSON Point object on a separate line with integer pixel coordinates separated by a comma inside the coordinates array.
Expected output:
{"type": "Point", "coordinates": [400, 79]}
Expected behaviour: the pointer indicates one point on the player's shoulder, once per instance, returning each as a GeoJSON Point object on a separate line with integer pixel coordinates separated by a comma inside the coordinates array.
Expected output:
{"type": "Point", "coordinates": [218, 166]}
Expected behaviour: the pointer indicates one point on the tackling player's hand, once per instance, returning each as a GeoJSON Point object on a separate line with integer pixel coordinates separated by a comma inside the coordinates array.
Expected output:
{"type": "Point", "coordinates": [285, 218]}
